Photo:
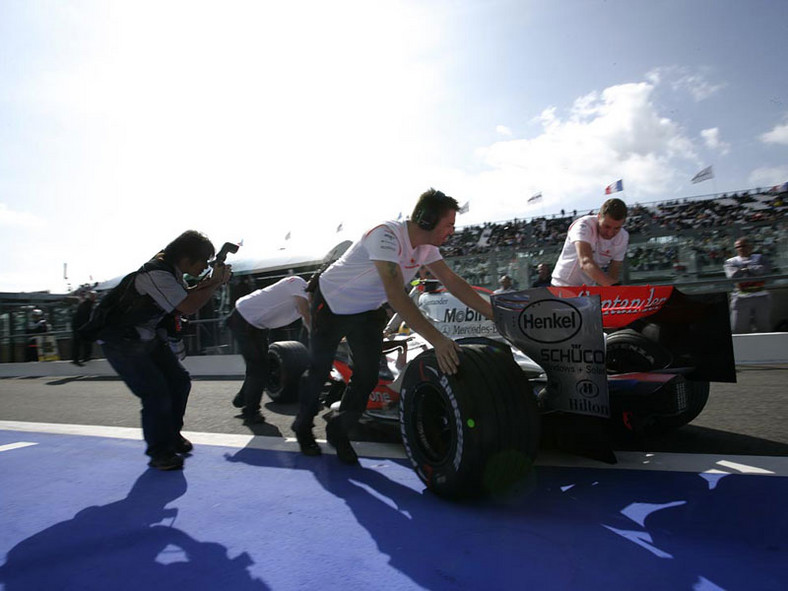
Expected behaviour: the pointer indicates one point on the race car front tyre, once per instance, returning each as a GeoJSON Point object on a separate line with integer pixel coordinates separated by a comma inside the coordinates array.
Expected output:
{"type": "Point", "coordinates": [287, 360]}
{"type": "Point", "coordinates": [473, 433]}
{"type": "Point", "coordinates": [629, 351]}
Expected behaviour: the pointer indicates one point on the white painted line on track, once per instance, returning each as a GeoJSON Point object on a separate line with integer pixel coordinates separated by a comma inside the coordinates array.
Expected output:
{"type": "Point", "coordinates": [17, 445]}
{"type": "Point", "coordinates": [675, 462]}
{"type": "Point", "coordinates": [627, 460]}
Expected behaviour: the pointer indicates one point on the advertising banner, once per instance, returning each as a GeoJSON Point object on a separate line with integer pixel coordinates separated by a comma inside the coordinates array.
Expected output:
{"type": "Point", "coordinates": [453, 318]}
{"type": "Point", "coordinates": [564, 336]}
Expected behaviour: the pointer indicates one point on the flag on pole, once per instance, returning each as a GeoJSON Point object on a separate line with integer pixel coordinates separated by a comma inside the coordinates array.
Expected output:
{"type": "Point", "coordinates": [465, 208]}
{"type": "Point", "coordinates": [288, 236]}
{"type": "Point", "coordinates": [614, 187]}
{"type": "Point", "coordinates": [704, 175]}
{"type": "Point", "coordinates": [339, 227]}
{"type": "Point", "coordinates": [535, 198]}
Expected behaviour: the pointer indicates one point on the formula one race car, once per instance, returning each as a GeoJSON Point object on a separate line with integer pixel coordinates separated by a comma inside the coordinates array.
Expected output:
{"type": "Point", "coordinates": [597, 360]}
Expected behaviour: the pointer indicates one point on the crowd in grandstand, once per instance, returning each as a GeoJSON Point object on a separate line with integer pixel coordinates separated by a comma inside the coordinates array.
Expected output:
{"type": "Point", "coordinates": [676, 237]}
{"type": "Point", "coordinates": [644, 221]}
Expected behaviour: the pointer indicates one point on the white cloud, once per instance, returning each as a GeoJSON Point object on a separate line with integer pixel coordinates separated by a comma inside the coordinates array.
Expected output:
{"type": "Point", "coordinates": [19, 219]}
{"type": "Point", "coordinates": [616, 133]}
{"type": "Point", "coordinates": [778, 135]}
{"type": "Point", "coordinates": [503, 130]}
{"type": "Point", "coordinates": [683, 79]}
{"type": "Point", "coordinates": [769, 176]}
{"type": "Point", "coordinates": [711, 137]}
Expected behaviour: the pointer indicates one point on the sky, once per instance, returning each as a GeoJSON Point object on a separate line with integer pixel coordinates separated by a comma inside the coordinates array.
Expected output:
{"type": "Point", "coordinates": [124, 123]}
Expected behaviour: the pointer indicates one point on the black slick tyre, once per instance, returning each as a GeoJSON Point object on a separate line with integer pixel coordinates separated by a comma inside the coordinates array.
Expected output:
{"type": "Point", "coordinates": [287, 360]}
{"type": "Point", "coordinates": [629, 351]}
{"type": "Point", "coordinates": [473, 433]}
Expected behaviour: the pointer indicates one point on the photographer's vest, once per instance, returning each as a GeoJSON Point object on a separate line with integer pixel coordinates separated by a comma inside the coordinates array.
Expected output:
{"type": "Point", "coordinates": [123, 308]}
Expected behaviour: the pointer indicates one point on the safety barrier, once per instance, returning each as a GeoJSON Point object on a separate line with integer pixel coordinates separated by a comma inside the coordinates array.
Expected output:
{"type": "Point", "coordinates": [748, 349]}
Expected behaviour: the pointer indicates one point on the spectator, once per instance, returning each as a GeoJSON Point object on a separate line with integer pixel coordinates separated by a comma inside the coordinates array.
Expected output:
{"type": "Point", "coordinates": [505, 283]}
{"type": "Point", "coordinates": [36, 326]}
{"type": "Point", "coordinates": [82, 349]}
{"type": "Point", "coordinates": [750, 302]}
{"type": "Point", "coordinates": [542, 276]}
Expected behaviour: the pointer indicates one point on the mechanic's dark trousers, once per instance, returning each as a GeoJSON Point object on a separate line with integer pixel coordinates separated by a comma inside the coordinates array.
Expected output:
{"type": "Point", "coordinates": [364, 334]}
{"type": "Point", "coordinates": [81, 350]}
{"type": "Point", "coordinates": [153, 374]}
{"type": "Point", "coordinates": [253, 344]}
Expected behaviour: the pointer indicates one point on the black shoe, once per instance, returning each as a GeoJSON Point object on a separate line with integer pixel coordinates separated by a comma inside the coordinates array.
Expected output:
{"type": "Point", "coordinates": [253, 419]}
{"type": "Point", "coordinates": [307, 443]}
{"type": "Point", "coordinates": [239, 400]}
{"type": "Point", "coordinates": [183, 445]}
{"type": "Point", "coordinates": [340, 442]}
{"type": "Point", "coordinates": [79, 363]}
{"type": "Point", "coordinates": [166, 462]}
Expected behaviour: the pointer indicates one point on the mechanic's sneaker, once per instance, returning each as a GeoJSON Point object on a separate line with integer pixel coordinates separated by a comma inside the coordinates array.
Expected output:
{"type": "Point", "coordinates": [254, 419]}
{"type": "Point", "coordinates": [340, 442]}
{"type": "Point", "coordinates": [183, 445]}
{"type": "Point", "coordinates": [166, 462]}
{"type": "Point", "coordinates": [307, 443]}
{"type": "Point", "coordinates": [239, 400]}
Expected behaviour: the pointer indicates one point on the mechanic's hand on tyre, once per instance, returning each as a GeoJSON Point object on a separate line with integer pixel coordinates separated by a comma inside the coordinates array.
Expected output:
{"type": "Point", "coordinates": [448, 355]}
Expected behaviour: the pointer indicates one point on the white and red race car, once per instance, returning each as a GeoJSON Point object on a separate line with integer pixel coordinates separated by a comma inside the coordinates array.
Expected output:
{"type": "Point", "coordinates": [630, 359]}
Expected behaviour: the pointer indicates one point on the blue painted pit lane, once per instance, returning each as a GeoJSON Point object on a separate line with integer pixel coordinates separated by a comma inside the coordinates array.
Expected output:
{"type": "Point", "coordinates": [84, 512]}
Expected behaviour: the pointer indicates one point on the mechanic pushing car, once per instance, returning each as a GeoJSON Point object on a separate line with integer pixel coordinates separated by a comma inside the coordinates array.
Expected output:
{"type": "Point", "coordinates": [348, 302]}
{"type": "Point", "coordinates": [593, 243]}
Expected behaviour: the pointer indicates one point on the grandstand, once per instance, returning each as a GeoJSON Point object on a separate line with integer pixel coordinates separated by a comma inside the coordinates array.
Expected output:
{"type": "Point", "coordinates": [679, 242]}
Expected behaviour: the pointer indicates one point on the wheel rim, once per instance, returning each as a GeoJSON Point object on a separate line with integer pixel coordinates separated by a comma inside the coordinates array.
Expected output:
{"type": "Point", "coordinates": [434, 419]}
{"type": "Point", "coordinates": [274, 376]}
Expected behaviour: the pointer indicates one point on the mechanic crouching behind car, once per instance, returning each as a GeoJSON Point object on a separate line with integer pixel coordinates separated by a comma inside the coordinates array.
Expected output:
{"type": "Point", "coordinates": [348, 302]}
{"type": "Point", "coordinates": [593, 243]}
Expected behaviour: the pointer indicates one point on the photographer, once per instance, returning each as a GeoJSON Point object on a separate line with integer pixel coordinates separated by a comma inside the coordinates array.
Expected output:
{"type": "Point", "coordinates": [136, 344]}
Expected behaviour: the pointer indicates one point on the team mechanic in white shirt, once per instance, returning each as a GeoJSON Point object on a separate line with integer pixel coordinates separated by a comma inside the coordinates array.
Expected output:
{"type": "Point", "coordinates": [593, 243]}
{"type": "Point", "coordinates": [348, 302]}
{"type": "Point", "coordinates": [254, 316]}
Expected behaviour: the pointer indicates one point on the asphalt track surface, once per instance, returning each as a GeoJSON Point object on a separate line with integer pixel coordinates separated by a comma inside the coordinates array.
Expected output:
{"type": "Point", "coordinates": [703, 508]}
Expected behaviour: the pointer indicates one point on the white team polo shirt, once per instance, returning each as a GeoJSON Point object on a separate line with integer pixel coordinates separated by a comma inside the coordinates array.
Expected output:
{"type": "Point", "coordinates": [567, 270]}
{"type": "Point", "coordinates": [352, 284]}
{"type": "Point", "coordinates": [273, 306]}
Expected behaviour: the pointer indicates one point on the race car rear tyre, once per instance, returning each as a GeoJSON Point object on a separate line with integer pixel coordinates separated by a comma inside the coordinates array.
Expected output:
{"type": "Point", "coordinates": [287, 360]}
{"type": "Point", "coordinates": [629, 351]}
{"type": "Point", "coordinates": [472, 433]}
{"type": "Point", "coordinates": [697, 396]}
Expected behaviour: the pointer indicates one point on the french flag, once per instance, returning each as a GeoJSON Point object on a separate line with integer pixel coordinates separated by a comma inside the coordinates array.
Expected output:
{"type": "Point", "coordinates": [614, 187]}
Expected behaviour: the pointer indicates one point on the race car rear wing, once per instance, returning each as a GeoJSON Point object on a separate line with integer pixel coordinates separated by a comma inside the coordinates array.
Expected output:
{"type": "Point", "coordinates": [694, 330]}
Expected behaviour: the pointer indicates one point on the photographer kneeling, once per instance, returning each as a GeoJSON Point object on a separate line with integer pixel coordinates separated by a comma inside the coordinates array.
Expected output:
{"type": "Point", "coordinates": [131, 331]}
